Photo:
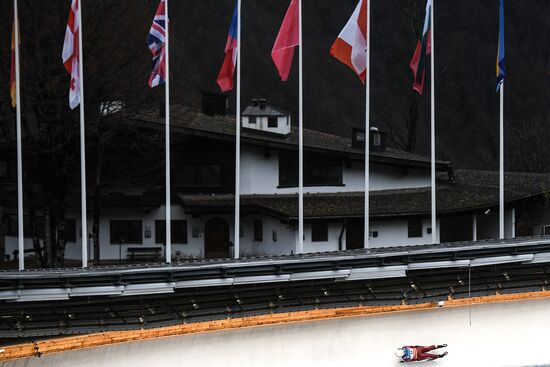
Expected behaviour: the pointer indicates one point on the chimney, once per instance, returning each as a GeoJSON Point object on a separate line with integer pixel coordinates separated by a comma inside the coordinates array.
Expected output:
{"type": "Point", "coordinates": [377, 140]}
{"type": "Point", "coordinates": [357, 138]}
{"type": "Point", "coordinates": [255, 102]}
{"type": "Point", "coordinates": [214, 104]}
{"type": "Point", "coordinates": [262, 102]}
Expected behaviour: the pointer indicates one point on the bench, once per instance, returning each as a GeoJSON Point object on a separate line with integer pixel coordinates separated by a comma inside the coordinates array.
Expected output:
{"type": "Point", "coordinates": [26, 251]}
{"type": "Point", "coordinates": [144, 253]}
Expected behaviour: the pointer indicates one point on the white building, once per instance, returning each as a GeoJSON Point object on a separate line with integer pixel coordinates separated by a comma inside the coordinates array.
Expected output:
{"type": "Point", "coordinates": [203, 195]}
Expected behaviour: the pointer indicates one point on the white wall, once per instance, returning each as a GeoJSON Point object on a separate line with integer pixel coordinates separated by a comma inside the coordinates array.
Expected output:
{"type": "Point", "coordinates": [285, 234]}
{"type": "Point", "coordinates": [283, 124]}
{"type": "Point", "coordinates": [73, 250]}
{"type": "Point", "coordinates": [193, 249]}
{"type": "Point", "coordinates": [334, 229]}
{"type": "Point", "coordinates": [390, 233]}
{"type": "Point", "coordinates": [260, 175]}
{"type": "Point", "coordinates": [111, 251]}
{"type": "Point", "coordinates": [395, 233]}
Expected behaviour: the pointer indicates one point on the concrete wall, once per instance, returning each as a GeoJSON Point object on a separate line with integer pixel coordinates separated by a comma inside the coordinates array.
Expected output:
{"type": "Point", "coordinates": [476, 336]}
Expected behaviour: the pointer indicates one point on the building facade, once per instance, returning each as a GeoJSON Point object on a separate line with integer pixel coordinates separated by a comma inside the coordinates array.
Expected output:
{"type": "Point", "coordinates": [131, 224]}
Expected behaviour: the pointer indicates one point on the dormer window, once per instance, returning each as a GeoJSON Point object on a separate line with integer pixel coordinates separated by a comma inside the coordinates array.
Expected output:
{"type": "Point", "coordinates": [272, 122]}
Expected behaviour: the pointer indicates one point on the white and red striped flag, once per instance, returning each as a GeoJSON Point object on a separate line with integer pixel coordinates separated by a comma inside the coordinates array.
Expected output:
{"type": "Point", "coordinates": [71, 54]}
{"type": "Point", "coordinates": [351, 44]}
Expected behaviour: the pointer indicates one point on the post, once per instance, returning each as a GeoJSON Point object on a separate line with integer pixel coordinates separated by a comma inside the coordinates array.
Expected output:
{"type": "Point", "coordinates": [474, 227]}
{"type": "Point", "coordinates": [367, 129]}
{"type": "Point", "coordinates": [237, 246]}
{"type": "Point", "coordinates": [300, 248]}
{"type": "Point", "coordinates": [167, 139]}
{"type": "Point", "coordinates": [501, 164]}
{"type": "Point", "coordinates": [20, 231]}
{"type": "Point", "coordinates": [432, 125]}
{"type": "Point", "coordinates": [84, 218]}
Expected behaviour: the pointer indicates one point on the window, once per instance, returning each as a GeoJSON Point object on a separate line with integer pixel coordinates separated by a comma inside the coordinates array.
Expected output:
{"type": "Point", "coordinates": [319, 231]}
{"type": "Point", "coordinates": [13, 226]}
{"type": "Point", "coordinates": [272, 122]}
{"type": "Point", "coordinates": [199, 175]}
{"type": "Point", "coordinates": [258, 230]}
{"type": "Point", "coordinates": [209, 175]}
{"type": "Point", "coordinates": [126, 231]}
{"type": "Point", "coordinates": [178, 229]}
{"type": "Point", "coordinates": [3, 169]}
{"type": "Point", "coordinates": [319, 170]}
{"type": "Point", "coordinates": [288, 169]}
{"type": "Point", "coordinates": [70, 229]}
{"type": "Point", "coordinates": [415, 227]}
{"type": "Point", "coordinates": [252, 120]}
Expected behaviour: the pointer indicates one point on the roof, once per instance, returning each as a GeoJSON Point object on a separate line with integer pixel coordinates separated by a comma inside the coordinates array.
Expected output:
{"type": "Point", "coordinates": [267, 110]}
{"type": "Point", "coordinates": [190, 122]}
{"type": "Point", "coordinates": [473, 190]}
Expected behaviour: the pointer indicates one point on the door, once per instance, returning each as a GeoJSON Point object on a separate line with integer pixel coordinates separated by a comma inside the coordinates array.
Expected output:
{"type": "Point", "coordinates": [355, 233]}
{"type": "Point", "coordinates": [216, 239]}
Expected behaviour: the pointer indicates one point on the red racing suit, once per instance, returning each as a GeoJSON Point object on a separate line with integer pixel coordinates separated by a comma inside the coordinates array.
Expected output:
{"type": "Point", "coordinates": [418, 353]}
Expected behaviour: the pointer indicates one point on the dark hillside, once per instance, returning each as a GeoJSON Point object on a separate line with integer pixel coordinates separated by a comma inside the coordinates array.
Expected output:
{"type": "Point", "coordinates": [466, 35]}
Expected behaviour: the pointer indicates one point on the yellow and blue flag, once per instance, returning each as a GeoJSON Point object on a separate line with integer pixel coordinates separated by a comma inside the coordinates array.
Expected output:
{"type": "Point", "coordinates": [501, 69]}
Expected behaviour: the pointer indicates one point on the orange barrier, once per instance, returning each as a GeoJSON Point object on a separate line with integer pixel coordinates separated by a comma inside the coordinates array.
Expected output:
{"type": "Point", "coordinates": [71, 343]}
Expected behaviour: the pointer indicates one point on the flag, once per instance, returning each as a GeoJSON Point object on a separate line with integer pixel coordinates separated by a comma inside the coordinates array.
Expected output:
{"type": "Point", "coordinates": [423, 49]}
{"type": "Point", "coordinates": [287, 39]}
{"type": "Point", "coordinates": [351, 45]}
{"type": "Point", "coordinates": [157, 42]}
{"type": "Point", "coordinates": [225, 77]}
{"type": "Point", "coordinates": [12, 70]}
{"type": "Point", "coordinates": [71, 54]}
{"type": "Point", "coordinates": [501, 70]}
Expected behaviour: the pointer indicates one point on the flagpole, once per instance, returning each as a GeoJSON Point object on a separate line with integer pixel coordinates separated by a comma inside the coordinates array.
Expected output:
{"type": "Point", "coordinates": [236, 249]}
{"type": "Point", "coordinates": [167, 138]}
{"type": "Point", "coordinates": [432, 127]}
{"type": "Point", "coordinates": [367, 129]}
{"type": "Point", "coordinates": [501, 165]}
{"type": "Point", "coordinates": [300, 138]}
{"type": "Point", "coordinates": [84, 234]}
{"type": "Point", "coordinates": [20, 232]}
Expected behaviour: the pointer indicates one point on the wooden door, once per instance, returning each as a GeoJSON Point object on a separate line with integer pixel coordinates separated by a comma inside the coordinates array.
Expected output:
{"type": "Point", "coordinates": [216, 239]}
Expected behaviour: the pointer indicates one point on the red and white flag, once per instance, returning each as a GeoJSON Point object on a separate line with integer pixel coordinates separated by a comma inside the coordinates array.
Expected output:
{"type": "Point", "coordinates": [71, 54]}
{"type": "Point", "coordinates": [351, 45]}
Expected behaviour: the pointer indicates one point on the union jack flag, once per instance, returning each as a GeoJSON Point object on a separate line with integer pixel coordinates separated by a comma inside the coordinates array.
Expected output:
{"type": "Point", "coordinates": [156, 42]}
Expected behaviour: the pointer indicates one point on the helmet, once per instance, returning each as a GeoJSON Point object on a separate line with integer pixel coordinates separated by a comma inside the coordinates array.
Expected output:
{"type": "Point", "coordinates": [399, 353]}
